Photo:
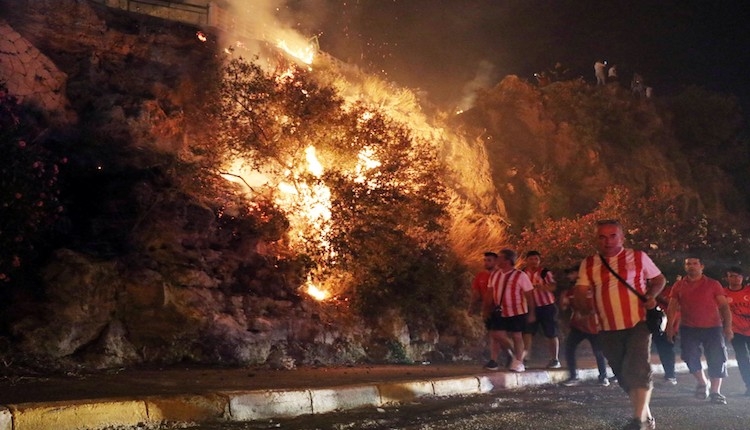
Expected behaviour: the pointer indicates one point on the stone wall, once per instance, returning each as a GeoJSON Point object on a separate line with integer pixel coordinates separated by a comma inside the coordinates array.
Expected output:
{"type": "Point", "coordinates": [30, 75]}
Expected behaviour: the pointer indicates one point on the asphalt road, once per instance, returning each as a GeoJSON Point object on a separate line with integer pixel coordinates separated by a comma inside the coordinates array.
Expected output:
{"type": "Point", "coordinates": [551, 407]}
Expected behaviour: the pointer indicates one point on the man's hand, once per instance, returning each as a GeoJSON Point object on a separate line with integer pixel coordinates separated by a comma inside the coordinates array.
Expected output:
{"type": "Point", "coordinates": [531, 317]}
{"type": "Point", "coordinates": [728, 334]}
{"type": "Point", "coordinates": [670, 333]}
{"type": "Point", "coordinates": [650, 302]}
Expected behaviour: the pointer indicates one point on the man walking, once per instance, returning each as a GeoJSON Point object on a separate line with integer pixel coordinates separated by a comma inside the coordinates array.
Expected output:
{"type": "Point", "coordinates": [545, 309]}
{"type": "Point", "coordinates": [704, 316]}
{"type": "Point", "coordinates": [738, 297]}
{"type": "Point", "coordinates": [481, 299]}
{"type": "Point", "coordinates": [512, 293]}
{"type": "Point", "coordinates": [624, 336]}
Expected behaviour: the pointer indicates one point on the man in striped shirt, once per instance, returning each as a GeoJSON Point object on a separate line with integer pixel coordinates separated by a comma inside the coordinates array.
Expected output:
{"type": "Point", "coordinates": [546, 309]}
{"type": "Point", "coordinates": [512, 298]}
{"type": "Point", "coordinates": [624, 336]}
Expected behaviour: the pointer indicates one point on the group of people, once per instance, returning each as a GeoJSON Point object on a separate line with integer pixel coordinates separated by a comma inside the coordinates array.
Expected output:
{"type": "Point", "coordinates": [605, 74]}
{"type": "Point", "coordinates": [612, 291]}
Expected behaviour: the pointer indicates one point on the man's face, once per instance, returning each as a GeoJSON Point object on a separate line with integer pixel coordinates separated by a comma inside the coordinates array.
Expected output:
{"type": "Point", "coordinates": [489, 262]}
{"type": "Point", "coordinates": [609, 239]}
{"type": "Point", "coordinates": [502, 262]}
{"type": "Point", "coordinates": [693, 266]}
{"type": "Point", "coordinates": [735, 279]}
{"type": "Point", "coordinates": [533, 261]}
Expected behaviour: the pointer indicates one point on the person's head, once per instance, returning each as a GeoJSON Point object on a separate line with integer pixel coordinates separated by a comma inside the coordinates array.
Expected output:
{"type": "Point", "coordinates": [506, 258]}
{"type": "Point", "coordinates": [694, 267]}
{"type": "Point", "coordinates": [533, 259]}
{"type": "Point", "coordinates": [490, 260]}
{"type": "Point", "coordinates": [610, 237]}
{"type": "Point", "coordinates": [571, 273]}
{"type": "Point", "coordinates": [735, 276]}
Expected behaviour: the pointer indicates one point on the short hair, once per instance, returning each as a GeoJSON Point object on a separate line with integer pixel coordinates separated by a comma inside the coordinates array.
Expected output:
{"type": "Point", "coordinates": [490, 254]}
{"type": "Point", "coordinates": [575, 269]}
{"type": "Point", "coordinates": [735, 269]}
{"type": "Point", "coordinates": [509, 255]}
{"type": "Point", "coordinates": [533, 253]}
{"type": "Point", "coordinates": [693, 257]}
{"type": "Point", "coordinates": [614, 222]}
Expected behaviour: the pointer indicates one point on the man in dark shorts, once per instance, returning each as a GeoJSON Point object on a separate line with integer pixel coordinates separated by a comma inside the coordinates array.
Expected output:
{"type": "Point", "coordinates": [705, 320]}
{"type": "Point", "coordinates": [512, 298]}
{"type": "Point", "coordinates": [481, 299]}
{"type": "Point", "coordinates": [624, 336]}
{"type": "Point", "coordinates": [738, 296]}
{"type": "Point", "coordinates": [546, 308]}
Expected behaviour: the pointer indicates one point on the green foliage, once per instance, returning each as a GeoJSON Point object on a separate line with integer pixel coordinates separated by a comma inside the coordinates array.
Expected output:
{"type": "Point", "coordinates": [29, 188]}
{"type": "Point", "coordinates": [387, 228]}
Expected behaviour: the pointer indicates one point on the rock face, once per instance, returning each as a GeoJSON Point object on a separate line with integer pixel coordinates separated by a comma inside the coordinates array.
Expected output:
{"type": "Point", "coordinates": [30, 75]}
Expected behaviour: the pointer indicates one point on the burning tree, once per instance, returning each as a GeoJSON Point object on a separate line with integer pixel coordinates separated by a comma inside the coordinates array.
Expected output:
{"type": "Point", "coordinates": [365, 199]}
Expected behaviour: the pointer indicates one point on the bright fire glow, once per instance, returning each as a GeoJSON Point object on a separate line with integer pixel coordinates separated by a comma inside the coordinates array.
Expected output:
{"type": "Point", "coordinates": [305, 54]}
{"type": "Point", "coordinates": [201, 36]}
{"type": "Point", "coordinates": [316, 293]}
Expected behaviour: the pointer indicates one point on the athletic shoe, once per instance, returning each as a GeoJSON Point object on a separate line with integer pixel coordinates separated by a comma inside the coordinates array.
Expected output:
{"type": "Point", "coordinates": [701, 392]}
{"type": "Point", "coordinates": [670, 381]}
{"type": "Point", "coordinates": [517, 366]}
{"type": "Point", "coordinates": [718, 399]}
{"type": "Point", "coordinates": [554, 364]}
{"type": "Point", "coordinates": [491, 365]}
{"type": "Point", "coordinates": [571, 382]}
{"type": "Point", "coordinates": [604, 382]}
{"type": "Point", "coordinates": [637, 424]}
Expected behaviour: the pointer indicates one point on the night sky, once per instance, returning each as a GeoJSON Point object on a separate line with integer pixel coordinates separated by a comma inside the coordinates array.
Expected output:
{"type": "Point", "coordinates": [438, 45]}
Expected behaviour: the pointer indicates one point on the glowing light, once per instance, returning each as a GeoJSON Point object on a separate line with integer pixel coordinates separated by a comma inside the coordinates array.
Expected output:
{"type": "Point", "coordinates": [305, 54]}
{"type": "Point", "coordinates": [313, 164]}
{"type": "Point", "coordinates": [315, 292]}
{"type": "Point", "coordinates": [201, 36]}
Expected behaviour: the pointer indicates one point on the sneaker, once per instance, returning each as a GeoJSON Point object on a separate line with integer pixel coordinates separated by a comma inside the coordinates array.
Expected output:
{"type": "Point", "coordinates": [604, 382]}
{"type": "Point", "coordinates": [571, 382]}
{"type": "Point", "coordinates": [491, 365]}
{"type": "Point", "coordinates": [701, 392]}
{"type": "Point", "coordinates": [517, 366]}
{"type": "Point", "coordinates": [718, 399]}
{"type": "Point", "coordinates": [637, 424]}
{"type": "Point", "coordinates": [670, 381]}
{"type": "Point", "coordinates": [554, 364]}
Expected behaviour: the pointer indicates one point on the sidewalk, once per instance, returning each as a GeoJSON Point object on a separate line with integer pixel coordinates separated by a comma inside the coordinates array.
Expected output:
{"type": "Point", "coordinates": [199, 394]}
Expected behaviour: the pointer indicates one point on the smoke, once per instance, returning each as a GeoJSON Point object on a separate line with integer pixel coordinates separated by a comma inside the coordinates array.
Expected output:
{"type": "Point", "coordinates": [483, 78]}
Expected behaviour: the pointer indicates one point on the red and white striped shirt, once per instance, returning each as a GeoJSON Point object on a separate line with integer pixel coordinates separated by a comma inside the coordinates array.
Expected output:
{"type": "Point", "coordinates": [541, 297]}
{"type": "Point", "coordinates": [513, 302]}
{"type": "Point", "coordinates": [618, 308]}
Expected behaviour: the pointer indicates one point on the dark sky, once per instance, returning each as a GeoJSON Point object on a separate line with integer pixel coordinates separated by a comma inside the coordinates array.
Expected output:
{"type": "Point", "coordinates": [437, 45]}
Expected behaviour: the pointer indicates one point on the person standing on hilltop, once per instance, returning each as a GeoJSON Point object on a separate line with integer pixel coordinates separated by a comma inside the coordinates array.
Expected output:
{"type": "Point", "coordinates": [738, 296]}
{"type": "Point", "coordinates": [600, 71]}
{"type": "Point", "coordinates": [545, 309]}
{"type": "Point", "coordinates": [612, 277]}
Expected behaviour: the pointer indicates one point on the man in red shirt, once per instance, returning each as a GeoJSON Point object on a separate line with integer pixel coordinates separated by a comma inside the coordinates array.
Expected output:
{"type": "Point", "coordinates": [704, 315]}
{"type": "Point", "coordinates": [546, 309]}
{"type": "Point", "coordinates": [512, 298]}
{"type": "Point", "coordinates": [481, 299]}
{"type": "Point", "coordinates": [624, 336]}
{"type": "Point", "coordinates": [738, 297]}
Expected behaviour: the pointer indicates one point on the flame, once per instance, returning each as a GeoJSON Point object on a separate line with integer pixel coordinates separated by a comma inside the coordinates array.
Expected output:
{"type": "Point", "coordinates": [315, 292]}
{"type": "Point", "coordinates": [313, 164]}
{"type": "Point", "coordinates": [201, 36]}
{"type": "Point", "coordinates": [304, 53]}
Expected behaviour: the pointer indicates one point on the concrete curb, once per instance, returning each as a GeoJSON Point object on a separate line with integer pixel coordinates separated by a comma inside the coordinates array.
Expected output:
{"type": "Point", "coordinates": [268, 404]}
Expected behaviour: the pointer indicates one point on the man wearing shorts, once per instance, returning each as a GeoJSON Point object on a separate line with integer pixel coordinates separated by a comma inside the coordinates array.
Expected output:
{"type": "Point", "coordinates": [624, 336]}
{"type": "Point", "coordinates": [738, 296]}
{"type": "Point", "coordinates": [482, 299]}
{"type": "Point", "coordinates": [546, 309]}
{"type": "Point", "coordinates": [512, 298]}
{"type": "Point", "coordinates": [705, 319]}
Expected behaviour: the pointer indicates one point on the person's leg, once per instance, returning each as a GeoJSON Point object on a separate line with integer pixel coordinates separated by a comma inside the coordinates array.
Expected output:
{"type": "Point", "coordinates": [528, 335]}
{"type": "Point", "coordinates": [547, 316]}
{"type": "Point", "coordinates": [716, 356]}
{"type": "Point", "coordinates": [518, 345]}
{"type": "Point", "coordinates": [691, 353]}
{"type": "Point", "coordinates": [636, 370]}
{"type": "Point", "coordinates": [596, 348]}
{"type": "Point", "coordinates": [613, 346]}
{"type": "Point", "coordinates": [571, 343]}
{"type": "Point", "coordinates": [741, 345]}
{"type": "Point", "coordinates": [665, 348]}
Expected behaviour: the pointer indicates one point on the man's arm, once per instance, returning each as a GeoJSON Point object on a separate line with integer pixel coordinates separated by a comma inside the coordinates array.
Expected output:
{"type": "Point", "coordinates": [532, 305]}
{"type": "Point", "coordinates": [726, 316]}
{"type": "Point", "coordinates": [672, 311]}
{"type": "Point", "coordinates": [653, 288]}
{"type": "Point", "coordinates": [581, 299]}
{"type": "Point", "coordinates": [549, 284]}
